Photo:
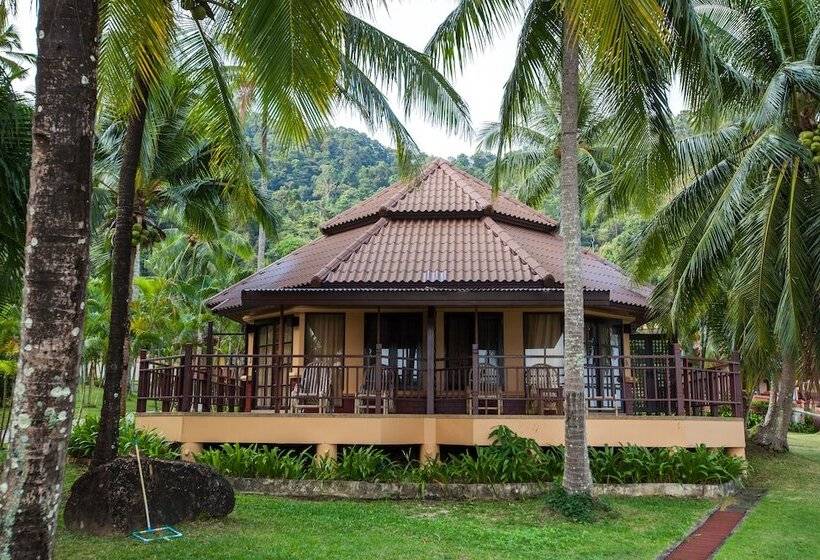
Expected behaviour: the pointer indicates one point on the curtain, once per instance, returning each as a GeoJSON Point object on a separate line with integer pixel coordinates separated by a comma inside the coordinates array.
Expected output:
{"type": "Point", "coordinates": [324, 334]}
{"type": "Point", "coordinates": [542, 330]}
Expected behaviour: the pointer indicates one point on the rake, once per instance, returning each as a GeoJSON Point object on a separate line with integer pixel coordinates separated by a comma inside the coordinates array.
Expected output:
{"type": "Point", "coordinates": [151, 534]}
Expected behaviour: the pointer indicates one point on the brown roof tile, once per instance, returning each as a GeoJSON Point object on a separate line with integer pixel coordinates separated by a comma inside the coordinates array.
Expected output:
{"type": "Point", "coordinates": [442, 250]}
{"type": "Point", "coordinates": [441, 188]}
{"type": "Point", "coordinates": [441, 230]}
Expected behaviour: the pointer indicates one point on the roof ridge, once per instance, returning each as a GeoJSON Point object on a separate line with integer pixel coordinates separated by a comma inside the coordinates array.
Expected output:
{"type": "Point", "coordinates": [334, 263]}
{"type": "Point", "coordinates": [411, 185]}
{"type": "Point", "coordinates": [514, 246]}
{"type": "Point", "coordinates": [461, 181]}
{"type": "Point", "coordinates": [504, 194]}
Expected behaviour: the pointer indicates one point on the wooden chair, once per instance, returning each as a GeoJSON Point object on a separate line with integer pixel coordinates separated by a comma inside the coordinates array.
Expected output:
{"type": "Point", "coordinates": [313, 391]}
{"type": "Point", "coordinates": [543, 393]}
{"type": "Point", "coordinates": [369, 392]}
{"type": "Point", "coordinates": [490, 390]}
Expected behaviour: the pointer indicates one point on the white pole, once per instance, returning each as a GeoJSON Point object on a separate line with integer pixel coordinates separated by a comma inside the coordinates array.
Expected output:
{"type": "Point", "coordinates": [142, 485]}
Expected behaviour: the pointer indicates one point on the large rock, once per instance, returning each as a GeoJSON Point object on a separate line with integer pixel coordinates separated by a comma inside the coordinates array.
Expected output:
{"type": "Point", "coordinates": [107, 499]}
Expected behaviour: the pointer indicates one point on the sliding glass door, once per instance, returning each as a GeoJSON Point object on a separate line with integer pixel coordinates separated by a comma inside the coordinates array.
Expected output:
{"type": "Point", "coordinates": [401, 338]}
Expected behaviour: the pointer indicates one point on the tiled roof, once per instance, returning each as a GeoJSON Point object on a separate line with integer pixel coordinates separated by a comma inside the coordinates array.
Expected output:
{"type": "Point", "coordinates": [440, 189]}
{"type": "Point", "coordinates": [440, 232]}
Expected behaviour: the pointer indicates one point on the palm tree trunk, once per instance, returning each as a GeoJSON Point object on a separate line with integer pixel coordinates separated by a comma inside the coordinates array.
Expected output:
{"type": "Point", "coordinates": [262, 241]}
{"type": "Point", "coordinates": [56, 271]}
{"type": "Point", "coordinates": [773, 432]}
{"type": "Point", "coordinates": [122, 262]}
{"type": "Point", "coordinates": [577, 476]}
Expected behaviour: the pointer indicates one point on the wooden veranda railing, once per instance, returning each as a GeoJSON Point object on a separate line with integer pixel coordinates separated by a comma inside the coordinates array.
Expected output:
{"type": "Point", "coordinates": [477, 384]}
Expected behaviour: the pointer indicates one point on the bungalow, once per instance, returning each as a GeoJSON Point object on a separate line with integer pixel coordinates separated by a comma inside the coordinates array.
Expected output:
{"type": "Point", "coordinates": [427, 315]}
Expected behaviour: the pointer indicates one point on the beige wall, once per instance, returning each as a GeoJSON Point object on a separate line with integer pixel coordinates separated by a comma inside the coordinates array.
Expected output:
{"type": "Point", "coordinates": [657, 431]}
{"type": "Point", "coordinates": [354, 326]}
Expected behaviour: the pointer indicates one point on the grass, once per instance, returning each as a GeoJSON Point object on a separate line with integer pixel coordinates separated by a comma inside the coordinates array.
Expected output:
{"type": "Point", "coordinates": [784, 525]}
{"type": "Point", "coordinates": [270, 528]}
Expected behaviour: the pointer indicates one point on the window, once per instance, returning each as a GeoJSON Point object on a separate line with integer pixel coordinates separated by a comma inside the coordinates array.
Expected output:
{"type": "Point", "coordinates": [544, 339]}
{"type": "Point", "coordinates": [324, 336]}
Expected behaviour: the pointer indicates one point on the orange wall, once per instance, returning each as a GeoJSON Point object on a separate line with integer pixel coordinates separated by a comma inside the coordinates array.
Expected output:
{"type": "Point", "coordinates": [397, 429]}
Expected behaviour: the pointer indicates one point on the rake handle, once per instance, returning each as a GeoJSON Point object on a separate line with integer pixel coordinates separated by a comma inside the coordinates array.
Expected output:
{"type": "Point", "coordinates": [142, 486]}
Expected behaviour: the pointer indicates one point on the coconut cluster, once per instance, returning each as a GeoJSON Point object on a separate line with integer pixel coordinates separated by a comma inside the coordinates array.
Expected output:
{"type": "Point", "coordinates": [141, 235]}
{"type": "Point", "coordinates": [811, 140]}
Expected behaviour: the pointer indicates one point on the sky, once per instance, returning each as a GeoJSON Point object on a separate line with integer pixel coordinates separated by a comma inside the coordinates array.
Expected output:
{"type": "Point", "coordinates": [412, 21]}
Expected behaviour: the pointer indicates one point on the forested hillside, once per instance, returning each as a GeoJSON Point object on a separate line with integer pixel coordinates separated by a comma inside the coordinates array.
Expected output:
{"type": "Point", "coordinates": [311, 184]}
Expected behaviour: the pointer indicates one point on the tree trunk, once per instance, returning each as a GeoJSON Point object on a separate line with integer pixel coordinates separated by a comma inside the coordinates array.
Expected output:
{"type": "Point", "coordinates": [122, 262]}
{"type": "Point", "coordinates": [56, 271]}
{"type": "Point", "coordinates": [577, 475]}
{"type": "Point", "coordinates": [773, 432]}
{"type": "Point", "coordinates": [262, 241]}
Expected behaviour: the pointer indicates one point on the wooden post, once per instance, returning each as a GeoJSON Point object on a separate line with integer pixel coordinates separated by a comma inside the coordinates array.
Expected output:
{"type": "Point", "coordinates": [142, 382]}
{"type": "Point", "coordinates": [252, 364]}
{"type": "Point", "coordinates": [378, 380]}
{"type": "Point", "coordinates": [679, 382]}
{"type": "Point", "coordinates": [711, 386]}
{"type": "Point", "coordinates": [209, 361]}
{"type": "Point", "coordinates": [187, 378]}
{"type": "Point", "coordinates": [737, 386]}
{"type": "Point", "coordinates": [475, 380]}
{"type": "Point", "coordinates": [431, 359]}
{"type": "Point", "coordinates": [281, 376]}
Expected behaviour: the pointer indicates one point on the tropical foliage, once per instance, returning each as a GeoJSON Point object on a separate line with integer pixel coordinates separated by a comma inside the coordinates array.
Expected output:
{"type": "Point", "coordinates": [510, 459]}
{"type": "Point", "coordinates": [84, 437]}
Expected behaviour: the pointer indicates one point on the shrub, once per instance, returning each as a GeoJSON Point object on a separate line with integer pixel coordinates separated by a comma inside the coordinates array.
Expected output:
{"type": "Point", "coordinates": [804, 426]}
{"type": "Point", "coordinates": [580, 508]}
{"type": "Point", "coordinates": [254, 462]}
{"type": "Point", "coordinates": [510, 458]}
{"type": "Point", "coordinates": [364, 463]}
{"type": "Point", "coordinates": [83, 438]}
{"type": "Point", "coordinates": [321, 468]}
{"type": "Point", "coordinates": [633, 464]}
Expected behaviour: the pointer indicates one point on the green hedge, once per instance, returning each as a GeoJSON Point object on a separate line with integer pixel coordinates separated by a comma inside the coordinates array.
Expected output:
{"type": "Point", "coordinates": [510, 458]}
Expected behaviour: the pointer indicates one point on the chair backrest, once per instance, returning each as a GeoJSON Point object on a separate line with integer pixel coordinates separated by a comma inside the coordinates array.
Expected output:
{"type": "Point", "coordinates": [489, 379]}
{"type": "Point", "coordinates": [542, 376]}
{"type": "Point", "coordinates": [316, 378]}
{"type": "Point", "coordinates": [370, 382]}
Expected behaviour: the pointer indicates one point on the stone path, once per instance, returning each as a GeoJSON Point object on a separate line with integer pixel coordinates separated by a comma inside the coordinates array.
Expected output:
{"type": "Point", "coordinates": [707, 538]}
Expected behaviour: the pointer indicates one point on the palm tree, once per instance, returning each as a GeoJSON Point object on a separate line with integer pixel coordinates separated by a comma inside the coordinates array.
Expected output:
{"type": "Point", "coordinates": [530, 166]}
{"type": "Point", "coordinates": [625, 43]}
{"type": "Point", "coordinates": [744, 213]}
{"type": "Point", "coordinates": [14, 63]}
{"type": "Point", "coordinates": [15, 160]}
{"type": "Point", "coordinates": [56, 271]}
{"type": "Point", "coordinates": [302, 57]}
{"type": "Point", "coordinates": [176, 169]}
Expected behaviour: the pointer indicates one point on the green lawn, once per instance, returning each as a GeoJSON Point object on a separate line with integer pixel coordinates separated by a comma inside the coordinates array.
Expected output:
{"type": "Point", "coordinates": [786, 523]}
{"type": "Point", "coordinates": [276, 528]}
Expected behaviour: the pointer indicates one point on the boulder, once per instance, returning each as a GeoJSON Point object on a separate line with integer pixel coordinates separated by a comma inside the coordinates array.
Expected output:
{"type": "Point", "coordinates": [107, 500]}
